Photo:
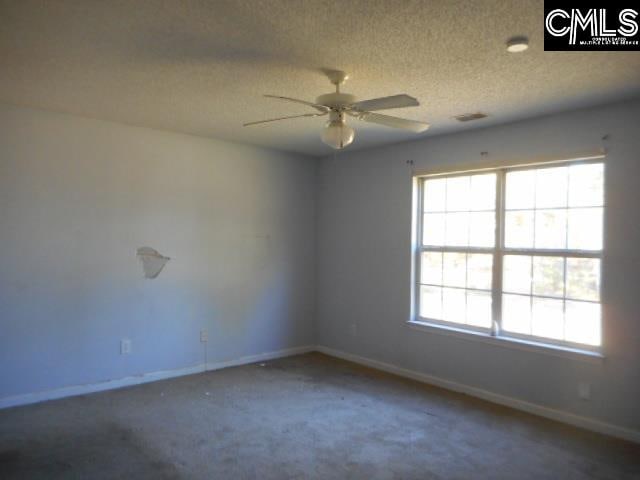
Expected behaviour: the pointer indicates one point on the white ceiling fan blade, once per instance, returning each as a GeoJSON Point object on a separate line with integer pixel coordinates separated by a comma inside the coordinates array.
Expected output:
{"type": "Point", "coordinates": [383, 103]}
{"type": "Point", "coordinates": [394, 122]}
{"type": "Point", "coordinates": [321, 108]}
{"type": "Point", "coordinates": [284, 118]}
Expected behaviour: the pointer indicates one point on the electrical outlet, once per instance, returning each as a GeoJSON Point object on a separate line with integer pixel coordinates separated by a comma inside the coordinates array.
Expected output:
{"type": "Point", "coordinates": [584, 390]}
{"type": "Point", "coordinates": [204, 336]}
{"type": "Point", "coordinates": [125, 346]}
{"type": "Point", "coordinates": [354, 329]}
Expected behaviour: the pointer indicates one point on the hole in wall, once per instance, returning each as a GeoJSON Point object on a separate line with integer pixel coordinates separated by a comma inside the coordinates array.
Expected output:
{"type": "Point", "coordinates": [152, 261]}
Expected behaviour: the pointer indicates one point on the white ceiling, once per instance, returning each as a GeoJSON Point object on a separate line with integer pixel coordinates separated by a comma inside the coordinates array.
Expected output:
{"type": "Point", "coordinates": [201, 67]}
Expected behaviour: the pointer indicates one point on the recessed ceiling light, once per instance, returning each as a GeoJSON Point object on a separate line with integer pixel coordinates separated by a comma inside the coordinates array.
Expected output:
{"type": "Point", "coordinates": [517, 44]}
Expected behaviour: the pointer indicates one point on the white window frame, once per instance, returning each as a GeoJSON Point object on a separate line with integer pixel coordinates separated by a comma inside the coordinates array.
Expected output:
{"type": "Point", "coordinates": [499, 251]}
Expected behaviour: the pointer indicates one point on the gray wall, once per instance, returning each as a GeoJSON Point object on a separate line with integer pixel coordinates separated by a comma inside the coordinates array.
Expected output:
{"type": "Point", "coordinates": [78, 196]}
{"type": "Point", "coordinates": [364, 262]}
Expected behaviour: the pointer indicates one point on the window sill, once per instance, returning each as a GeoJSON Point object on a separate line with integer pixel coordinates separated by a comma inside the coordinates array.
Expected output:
{"type": "Point", "coordinates": [513, 343]}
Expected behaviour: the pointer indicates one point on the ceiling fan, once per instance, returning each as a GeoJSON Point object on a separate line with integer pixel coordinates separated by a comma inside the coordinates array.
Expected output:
{"type": "Point", "coordinates": [338, 105]}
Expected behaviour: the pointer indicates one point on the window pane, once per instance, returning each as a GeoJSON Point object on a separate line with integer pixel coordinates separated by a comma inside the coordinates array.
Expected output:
{"type": "Point", "coordinates": [583, 323]}
{"type": "Point", "coordinates": [583, 278]}
{"type": "Point", "coordinates": [479, 270]}
{"type": "Point", "coordinates": [483, 229]}
{"type": "Point", "coordinates": [479, 309]}
{"type": "Point", "coordinates": [517, 274]}
{"type": "Point", "coordinates": [548, 276]}
{"type": "Point", "coordinates": [520, 189]}
{"type": "Point", "coordinates": [551, 229]}
{"type": "Point", "coordinates": [519, 229]}
{"type": "Point", "coordinates": [551, 187]}
{"type": "Point", "coordinates": [585, 229]}
{"type": "Point", "coordinates": [458, 193]}
{"type": "Point", "coordinates": [433, 225]}
{"type": "Point", "coordinates": [586, 185]}
{"type": "Point", "coordinates": [431, 268]}
{"type": "Point", "coordinates": [457, 229]}
{"type": "Point", "coordinates": [516, 313]}
{"type": "Point", "coordinates": [544, 296]}
{"type": "Point", "coordinates": [548, 318]}
{"type": "Point", "coordinates": [455, 269]}
{"type": "Point", "coordinates": [454, 305]}
{"type": "Point", "coordinates": [430, 302]}
{"type": "Point", "coordinates": [483, 192]}
{"type": "Point", "coordinates": [434, 195]}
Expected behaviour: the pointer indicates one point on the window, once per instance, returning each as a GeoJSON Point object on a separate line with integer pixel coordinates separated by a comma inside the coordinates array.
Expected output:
{"type": "Point", "coordinates": [513, 252]}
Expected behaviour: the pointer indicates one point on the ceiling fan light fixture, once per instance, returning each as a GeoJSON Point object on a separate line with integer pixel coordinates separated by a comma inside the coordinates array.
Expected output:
{"type": "Point", "coordinates": [337, 134]}
{"type": "Point", "coordinates": [517, 44]}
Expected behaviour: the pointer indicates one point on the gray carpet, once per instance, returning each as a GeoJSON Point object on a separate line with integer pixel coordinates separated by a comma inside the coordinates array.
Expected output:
{"type": "Point", "coordinates": [308, 416]}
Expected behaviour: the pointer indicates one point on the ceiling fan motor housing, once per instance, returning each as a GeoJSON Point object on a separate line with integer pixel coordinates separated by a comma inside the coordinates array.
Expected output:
{"type": "Point", "coordinates": [336, 101]}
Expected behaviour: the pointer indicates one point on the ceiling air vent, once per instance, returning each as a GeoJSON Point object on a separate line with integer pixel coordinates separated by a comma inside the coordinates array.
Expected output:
{"type": "Point", "coordinates": [467, 117]}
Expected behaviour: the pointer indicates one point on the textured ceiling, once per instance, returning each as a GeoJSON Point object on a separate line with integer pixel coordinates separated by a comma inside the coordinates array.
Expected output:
{"type": "Point", "coordinates": [201, 67]}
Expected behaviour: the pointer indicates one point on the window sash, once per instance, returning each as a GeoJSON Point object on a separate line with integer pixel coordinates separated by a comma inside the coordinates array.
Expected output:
{"type": "Point", "coordinates": [498, 251]}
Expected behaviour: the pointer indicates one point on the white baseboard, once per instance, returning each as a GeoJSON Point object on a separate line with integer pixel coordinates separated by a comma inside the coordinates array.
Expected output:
{"type": "Point", "coordinates": [558, 415]}
{"type": "Point", "coordinates": [36, 397]}
{"type": "Point", "coordinates": [553, 414]}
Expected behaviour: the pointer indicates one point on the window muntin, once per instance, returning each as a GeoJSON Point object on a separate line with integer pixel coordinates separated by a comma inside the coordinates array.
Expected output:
{"type": "Point", "coordinates": [456, 259]}
{"type": "Point", "coordinates": [514, 252]}
{"type": "Point", "coordinates": [544, 296]}
{"type": "Point", "coordinates": [555, 207]}
{"type": "Point", "coordinates": [459, 211]}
